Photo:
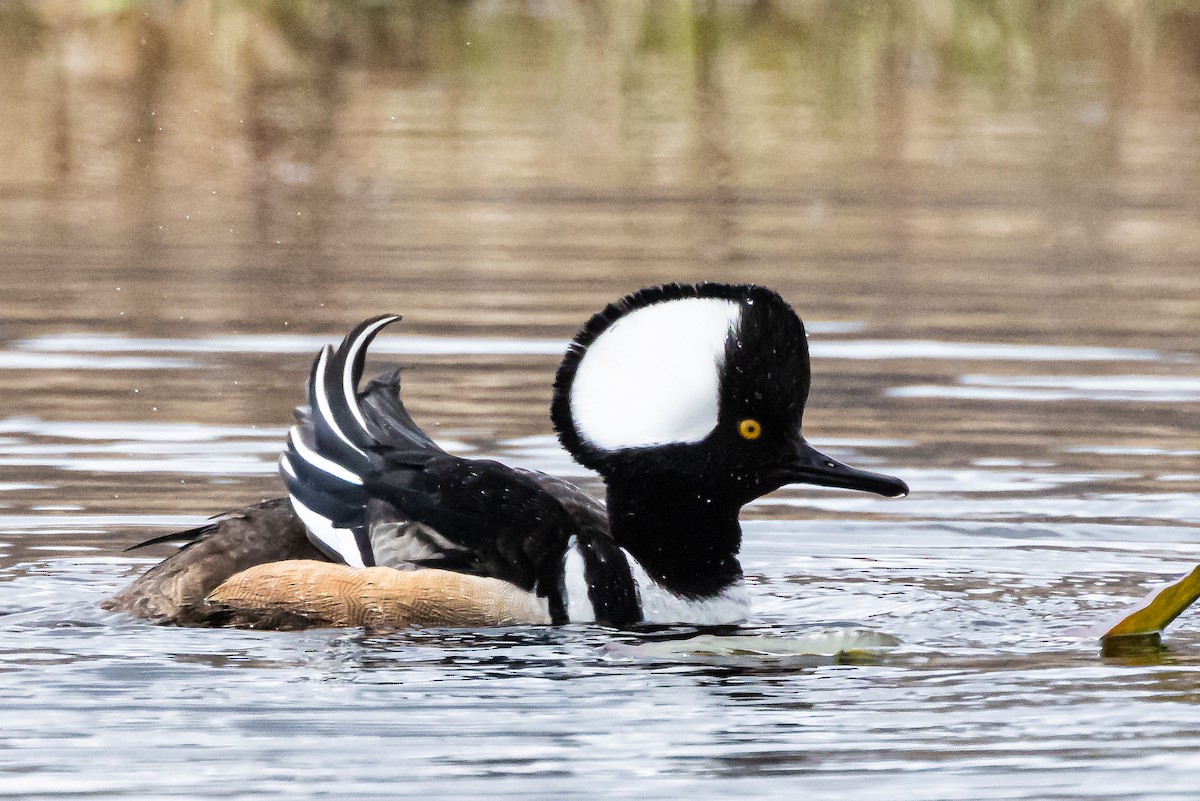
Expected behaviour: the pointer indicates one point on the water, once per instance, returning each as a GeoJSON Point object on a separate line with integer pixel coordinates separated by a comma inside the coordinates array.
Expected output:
{"type": "Point", "coordinates": [986, 213]}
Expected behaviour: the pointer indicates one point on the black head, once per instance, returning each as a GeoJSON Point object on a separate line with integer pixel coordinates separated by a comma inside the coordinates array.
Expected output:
{"type": "Point", "coordinates": [700, 385]}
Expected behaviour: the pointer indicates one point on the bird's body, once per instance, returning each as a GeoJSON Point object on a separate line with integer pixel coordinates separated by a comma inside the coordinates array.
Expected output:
{"type": "Point", "coordinates": [687, 399]}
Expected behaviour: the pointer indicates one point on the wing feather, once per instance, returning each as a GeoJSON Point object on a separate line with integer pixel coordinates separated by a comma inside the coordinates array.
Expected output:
{"type": "Point", "coordinates": [369, 484]}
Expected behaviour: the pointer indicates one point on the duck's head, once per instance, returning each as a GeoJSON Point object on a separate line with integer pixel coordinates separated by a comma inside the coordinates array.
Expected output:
{"type": "Point", "coordinates": [700, 386]}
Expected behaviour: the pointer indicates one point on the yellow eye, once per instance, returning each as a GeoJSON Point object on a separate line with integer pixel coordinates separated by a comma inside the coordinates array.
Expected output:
{"type": "Point", "coordinates": [750, 428]}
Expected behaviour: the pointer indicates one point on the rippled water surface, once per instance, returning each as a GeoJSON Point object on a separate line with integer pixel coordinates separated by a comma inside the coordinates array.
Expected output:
{"type": "Point", "coordinates": [986, 212]}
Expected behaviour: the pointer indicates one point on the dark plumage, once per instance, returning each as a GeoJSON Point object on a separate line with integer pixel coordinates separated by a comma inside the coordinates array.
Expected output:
{"type": "Point", "coordinates": [173, 591]}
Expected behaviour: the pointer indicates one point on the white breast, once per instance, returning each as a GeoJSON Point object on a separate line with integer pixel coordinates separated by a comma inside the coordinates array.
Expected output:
{"type": "Point", "coordinates": [660, 605]}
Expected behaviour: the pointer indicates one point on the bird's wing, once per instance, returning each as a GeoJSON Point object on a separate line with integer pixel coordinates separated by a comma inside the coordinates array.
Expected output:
{"type": "Point", "coordinates": [373, 488]}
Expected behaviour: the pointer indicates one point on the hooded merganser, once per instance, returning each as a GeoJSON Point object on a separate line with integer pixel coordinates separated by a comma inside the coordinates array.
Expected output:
{"type": "Point", "coordinates": [686, 399]}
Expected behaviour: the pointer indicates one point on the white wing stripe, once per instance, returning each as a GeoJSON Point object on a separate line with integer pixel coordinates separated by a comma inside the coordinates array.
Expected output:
{"type": "Point", "coordinates": [296, 443]}
{"type": "Point", "coordinates": [322, 400]}
{"type": "Point", "coordinates": [341, 541]}
{"type": "Point", "coordinates": [285, 465]}
{"type": "Point", "coordinates": [348, 388]}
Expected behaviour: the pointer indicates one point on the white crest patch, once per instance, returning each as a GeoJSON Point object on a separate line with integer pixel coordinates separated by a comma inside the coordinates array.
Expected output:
{"type": "Point", "coordinates": [660, 605]}
{"type": "Point", "coordinates": [653, 376]}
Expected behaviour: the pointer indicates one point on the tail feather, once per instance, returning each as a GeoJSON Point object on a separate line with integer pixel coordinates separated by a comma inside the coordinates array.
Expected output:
{"type": "Point", "coordinates": [175, 536]}
{"type": "Point", "coordinates": [336, 432]}
{"type": "Point", "coordinates": [340, 438]}
{"type": "Point", "coordinates": [388, 419]}
{"type": "Point", "coordinates": [307, 459]}
{"type": "Point", "coordinates": [328, 496]}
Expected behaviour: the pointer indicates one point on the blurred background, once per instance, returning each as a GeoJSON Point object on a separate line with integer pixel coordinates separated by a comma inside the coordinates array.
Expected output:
{"type": "Point", "coordinates": [983, 169]}
{"type": "Point", "coordinates": [987, 211]}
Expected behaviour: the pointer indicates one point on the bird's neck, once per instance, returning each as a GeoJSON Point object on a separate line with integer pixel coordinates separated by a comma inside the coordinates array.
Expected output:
{"type": "Point", "coordinates": [685, 539]}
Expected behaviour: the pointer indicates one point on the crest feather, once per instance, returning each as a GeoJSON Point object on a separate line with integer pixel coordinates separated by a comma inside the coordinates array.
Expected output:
{"type": "Point", "coordinates": [647, 370]}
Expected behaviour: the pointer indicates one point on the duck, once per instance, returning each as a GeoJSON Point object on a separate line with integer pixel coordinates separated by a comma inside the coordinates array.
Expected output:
{"type": "Point", "coordinates": [686, 399]}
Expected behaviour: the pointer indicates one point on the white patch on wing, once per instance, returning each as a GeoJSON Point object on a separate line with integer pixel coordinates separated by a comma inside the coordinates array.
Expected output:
{"type": "Point", "coordinates": [653, 376]}
{"type": "Point", "coordinates": [302, 449]}
{"type": "Point", "coordinates": [660, 605]}
{"type": "Point", "coordinates": [285, 464]}
{"type": "Point", "coordinates": [348, 388]}
{"type": "Point", "coordinates": [575, 586]}
{"type": "Point", "coordinates": [322, 400]}
{"type": "Point", "coordinates": [340, 540]}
